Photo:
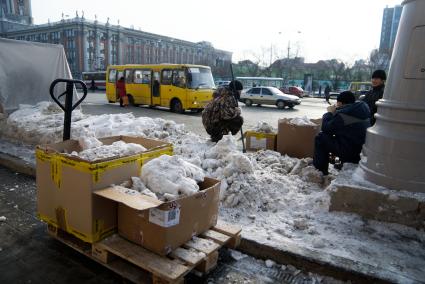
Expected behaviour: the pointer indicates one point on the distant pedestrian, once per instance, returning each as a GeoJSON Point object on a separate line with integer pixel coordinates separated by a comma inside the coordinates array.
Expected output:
{"type": "Point", "coordinates": [377, 92]}
{"type": "Point", "coordinates": [122, 93]}
{"type": "Point", "coordinates": [327, 93]}
{"type": "Point", "coordinates": [93, 85]}
{"type": "Point", "coordinates": [320, 90]}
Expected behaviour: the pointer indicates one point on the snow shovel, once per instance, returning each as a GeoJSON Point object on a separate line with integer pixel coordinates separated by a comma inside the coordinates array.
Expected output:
{"type": "Point", "coordinates": [68, 107]}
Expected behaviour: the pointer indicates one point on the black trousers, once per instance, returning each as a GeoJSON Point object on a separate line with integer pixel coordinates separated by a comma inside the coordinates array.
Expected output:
{"type": "Point", "coordinates": [326, 144]}
{"type": "Point", "coordinates": [224, 127]}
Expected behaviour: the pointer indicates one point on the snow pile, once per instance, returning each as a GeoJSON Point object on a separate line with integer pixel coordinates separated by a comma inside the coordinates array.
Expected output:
{"type": "Point", "coordinates": [171, 175]}
{"type": "Point", "coordinates": [116, 149]}
{"type": "Point", "coordinates": [302, 121]}
{"type": "Point", "coordinates": [43, 124]}
{"type": "Point", "coordinates": [256, 180]}
{"type": "Point", "coordinates": [264, 127]}
{"type": "Point", "coordinates": [37, 124]}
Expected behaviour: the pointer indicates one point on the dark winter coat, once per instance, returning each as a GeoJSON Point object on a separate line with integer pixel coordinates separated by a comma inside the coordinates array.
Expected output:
{"type": "Point", "coordinates": [371, 98]}
{"type": "Point", "coordinates": [327, 90]}
{"type": "Point", "coordinates": [222, 114]}
{"type": "Point", "coordinates": [348, 125]}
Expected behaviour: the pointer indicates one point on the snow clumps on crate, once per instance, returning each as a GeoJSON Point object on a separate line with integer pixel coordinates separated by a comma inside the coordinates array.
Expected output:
{"type": "Point", "coordinates": [94, 150]}
{"type": "Point", "coordinates": [166, 178]}
{"type": "Point", "coordinates": [264, 127]}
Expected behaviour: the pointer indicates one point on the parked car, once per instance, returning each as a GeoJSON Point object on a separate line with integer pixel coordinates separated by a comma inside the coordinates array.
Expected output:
{"type": "Point", "coordinates": [268, 96]}
{"type": "Point", "coordinates": [293, 90]}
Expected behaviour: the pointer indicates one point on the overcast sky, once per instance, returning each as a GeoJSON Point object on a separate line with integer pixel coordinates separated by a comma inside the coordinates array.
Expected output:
{"type": "Point", "coordinates": [342, 29]}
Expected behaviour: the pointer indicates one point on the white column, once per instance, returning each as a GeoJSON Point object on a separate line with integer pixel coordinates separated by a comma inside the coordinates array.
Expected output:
{"type": "Point", "coordinates": [85, 51]}
{"type": "Point", "coordinates": [395, 144]}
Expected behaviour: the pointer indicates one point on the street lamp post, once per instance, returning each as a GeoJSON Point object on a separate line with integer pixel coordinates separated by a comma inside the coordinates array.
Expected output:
{"type": "Point", "coordinates": [395, 144]}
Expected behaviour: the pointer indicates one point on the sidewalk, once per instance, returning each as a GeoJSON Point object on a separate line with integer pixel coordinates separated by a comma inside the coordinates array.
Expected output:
{"type": "Point", "coordinates": [28, 225]}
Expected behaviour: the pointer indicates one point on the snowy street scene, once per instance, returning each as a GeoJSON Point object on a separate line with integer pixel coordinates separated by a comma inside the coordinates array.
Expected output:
{"type": "Point", "coordinates": [133, 157]}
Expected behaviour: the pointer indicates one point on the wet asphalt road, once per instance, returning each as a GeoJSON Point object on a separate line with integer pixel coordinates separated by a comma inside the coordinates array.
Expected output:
{"type": "Point", "coordinates": [96, 103]}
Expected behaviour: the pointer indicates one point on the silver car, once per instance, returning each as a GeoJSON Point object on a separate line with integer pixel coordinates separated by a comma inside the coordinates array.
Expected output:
{"type": "Point", "coordinates": [268, 96]}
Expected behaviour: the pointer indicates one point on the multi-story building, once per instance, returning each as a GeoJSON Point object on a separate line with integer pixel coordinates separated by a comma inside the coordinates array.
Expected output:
{"type": "Point", "coordinates": [14, 14]}
{"type": "Point", "coordinates": [92, 46]}
{"type": "Point", "coordinates": [390, 21]}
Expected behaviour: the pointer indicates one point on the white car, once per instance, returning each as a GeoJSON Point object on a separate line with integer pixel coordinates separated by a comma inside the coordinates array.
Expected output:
{"type": "Point", "coordinates": [268, 96]}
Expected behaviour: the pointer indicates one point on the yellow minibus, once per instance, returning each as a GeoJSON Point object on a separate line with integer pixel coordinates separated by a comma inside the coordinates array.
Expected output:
{"type": "Point", "coordinates": [179, 87]}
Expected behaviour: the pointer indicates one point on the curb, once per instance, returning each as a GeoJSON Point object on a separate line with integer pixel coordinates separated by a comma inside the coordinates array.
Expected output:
{"type": "Point", "coordinates": [323, 263]}
{"type": "Point", "coordinates": [304, 258]}
{"type": "Point", "coordinates": [17, 165]}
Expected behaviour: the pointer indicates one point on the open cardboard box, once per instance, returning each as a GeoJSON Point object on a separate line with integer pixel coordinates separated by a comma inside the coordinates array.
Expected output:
{"type": "Point", "coordinates": [260, 141]}
{"type": "Point", "coordinates": [164, 226]}
{"type": "Point", "coordinates": [297, 140]}
{"type": "Point", "coordinates": [65, 185]}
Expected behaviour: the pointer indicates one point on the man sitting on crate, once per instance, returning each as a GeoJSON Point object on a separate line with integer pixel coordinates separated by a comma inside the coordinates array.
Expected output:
{"type": "Point", "coordinates": [223, 115]}
{"type": "Point", "coordinates": [343, 132]}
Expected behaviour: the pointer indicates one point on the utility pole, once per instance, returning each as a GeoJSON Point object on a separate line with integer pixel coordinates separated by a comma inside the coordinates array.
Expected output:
{"type": "Point", "coordinates": [271, 54]}
{"type": "Point", "coordinates": [289, 47]}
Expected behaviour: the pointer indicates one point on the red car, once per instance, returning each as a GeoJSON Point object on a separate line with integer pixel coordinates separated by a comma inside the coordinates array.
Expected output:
{"type": "Point", "coordinates": [293, 90]}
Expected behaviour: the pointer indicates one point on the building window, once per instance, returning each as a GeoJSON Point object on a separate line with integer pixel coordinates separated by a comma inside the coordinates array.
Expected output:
{"type": "Point", "coordinates": [114, 49]}
{"type": "Point", "coordinates": [69, 33]}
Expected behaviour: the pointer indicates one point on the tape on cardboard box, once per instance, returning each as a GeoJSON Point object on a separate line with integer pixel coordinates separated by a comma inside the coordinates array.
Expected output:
{"type": "Point", "coordinates": [99, 231]}
{"type": "Point", "coordinates": [260, 134]}
{"type": "Point", "coordinates": [95, 169]}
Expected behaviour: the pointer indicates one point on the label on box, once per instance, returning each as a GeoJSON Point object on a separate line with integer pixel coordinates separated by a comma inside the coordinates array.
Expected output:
{"type": "Point", "coordinates": [258, 143]}
{"type": "Point", "coordinates": [164, 218]}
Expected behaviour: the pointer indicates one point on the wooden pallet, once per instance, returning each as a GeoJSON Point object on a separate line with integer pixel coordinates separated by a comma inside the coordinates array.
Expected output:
{"type": "Point", "coordinates": [140, 265]}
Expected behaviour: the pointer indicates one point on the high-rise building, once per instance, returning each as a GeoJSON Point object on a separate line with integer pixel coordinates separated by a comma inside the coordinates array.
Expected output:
{"type": "Point", "coordinates": [390, 21]}
{"type": "Point", "coordinates": [92, 45]}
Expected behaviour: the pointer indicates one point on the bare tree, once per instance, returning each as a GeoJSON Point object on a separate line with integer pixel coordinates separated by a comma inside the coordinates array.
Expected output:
{"type": "Point", "coordinates": [378, 60]}
{"type": "Point", "coordinates": [337, 68]}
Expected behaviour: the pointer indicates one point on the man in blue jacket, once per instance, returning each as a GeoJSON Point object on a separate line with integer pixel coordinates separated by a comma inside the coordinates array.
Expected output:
{"type": "Point", "coordinates": [343, 132]}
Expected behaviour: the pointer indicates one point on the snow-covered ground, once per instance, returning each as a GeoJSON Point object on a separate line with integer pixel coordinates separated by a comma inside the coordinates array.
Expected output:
{"type": "Point", "coordinates": [278, 200]}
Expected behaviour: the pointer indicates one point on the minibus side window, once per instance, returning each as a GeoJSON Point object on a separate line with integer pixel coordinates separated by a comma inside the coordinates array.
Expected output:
{"type": "Point", "coordinates": [166, 77]}
{"type": "Point", "coordinates": [129, 76]}
{"type": "Point", "coordinates": [179, 78]}
{"type": "Point", "coordinates": [112, 75]}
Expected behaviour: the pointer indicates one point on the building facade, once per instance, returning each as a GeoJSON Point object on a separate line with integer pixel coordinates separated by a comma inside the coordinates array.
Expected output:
{"type": "Point", "coordinates": [15, 14]}
{"type": "Point", "coordinates": [390, 21]}
{"type": "Point", "coordinates": [92, 45]}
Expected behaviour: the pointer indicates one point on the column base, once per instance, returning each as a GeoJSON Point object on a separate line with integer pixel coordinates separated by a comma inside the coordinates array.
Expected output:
{"type": "Point", "coordinates": [393, 206]}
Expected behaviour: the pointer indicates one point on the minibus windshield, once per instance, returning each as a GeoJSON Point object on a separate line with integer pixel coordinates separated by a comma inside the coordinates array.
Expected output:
{"type": "Point", "coordinates": [200, 78]}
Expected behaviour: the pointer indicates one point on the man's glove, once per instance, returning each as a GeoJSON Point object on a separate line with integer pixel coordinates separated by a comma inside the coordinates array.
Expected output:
{"type": "Point", "coordinates": [331, 108]}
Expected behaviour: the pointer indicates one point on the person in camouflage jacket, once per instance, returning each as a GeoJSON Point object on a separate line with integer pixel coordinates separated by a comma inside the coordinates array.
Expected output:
{"type": "Point", "coordinates": [223, 115]}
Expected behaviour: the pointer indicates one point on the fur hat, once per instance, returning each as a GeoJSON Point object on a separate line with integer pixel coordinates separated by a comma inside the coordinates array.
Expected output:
{"type": "Point", "coordinates": [346, 97]}
{"type": "Point", "coordinates": [235, 85]}
{"type": "Point", "coordinates": [380, 74]}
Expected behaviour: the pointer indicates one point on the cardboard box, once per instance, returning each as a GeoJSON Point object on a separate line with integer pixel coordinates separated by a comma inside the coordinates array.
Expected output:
{"type": "Point", "coordinates": [65, 185]}
{"type": "Point", "coordinates": [164, 226]}
{"type": "Point", "coordinates": [260, 141]}
{"type": "Point", "coordinates": [297, 140]}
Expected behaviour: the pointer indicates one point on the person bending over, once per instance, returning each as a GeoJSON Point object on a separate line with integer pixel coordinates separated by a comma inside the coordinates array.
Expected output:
{"type": "Point", "coordinates": [223, 115]}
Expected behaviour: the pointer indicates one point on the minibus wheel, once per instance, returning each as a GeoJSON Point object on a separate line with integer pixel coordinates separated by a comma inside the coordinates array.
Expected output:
{"type": "Point", "coordinates": [176, 106]}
